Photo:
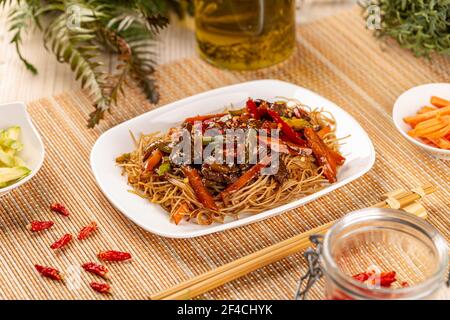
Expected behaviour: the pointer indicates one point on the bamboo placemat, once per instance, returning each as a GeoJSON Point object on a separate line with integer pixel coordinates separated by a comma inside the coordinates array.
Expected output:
{"type": "Point", "coordinates": [336, 57]}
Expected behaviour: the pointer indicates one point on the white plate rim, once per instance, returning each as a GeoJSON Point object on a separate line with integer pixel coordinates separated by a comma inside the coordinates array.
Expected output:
{"type": "Point", "coordinates": [249, 220]}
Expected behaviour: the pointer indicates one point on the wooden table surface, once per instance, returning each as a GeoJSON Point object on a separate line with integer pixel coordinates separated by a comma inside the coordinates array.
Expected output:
{"type": "Point", "coordinates": [18, 84]}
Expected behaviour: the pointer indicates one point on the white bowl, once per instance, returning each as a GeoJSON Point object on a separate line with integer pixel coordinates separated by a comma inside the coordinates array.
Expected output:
{"type": "Point", "coordinates": [358, 150]}
{"type": "Point", "coordinates": [412, 101]}
{"type": "Point", "coordinates": [15, 114]}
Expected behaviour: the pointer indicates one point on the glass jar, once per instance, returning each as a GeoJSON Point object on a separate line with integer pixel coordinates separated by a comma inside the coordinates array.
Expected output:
{"type": "Point", "coordinates": [245, 34]}
{"type": "Point", "coordinates": [359, 250]}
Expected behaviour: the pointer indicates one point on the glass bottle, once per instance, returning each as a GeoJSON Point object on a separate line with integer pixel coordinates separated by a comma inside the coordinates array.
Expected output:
{"type": "Point", "coordinates": [375, 240]}
{"type": "Point", "coordinates": [245, 34]}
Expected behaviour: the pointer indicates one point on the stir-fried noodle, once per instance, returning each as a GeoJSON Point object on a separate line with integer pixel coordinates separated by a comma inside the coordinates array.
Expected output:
{"type": "Point", "coordinates": [309, 163]}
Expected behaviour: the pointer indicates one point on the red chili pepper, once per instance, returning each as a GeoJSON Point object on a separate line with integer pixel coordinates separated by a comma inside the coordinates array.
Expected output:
{"type": "Point", "coordinates": [112, 255]}
{"type": "Point", "coordinates": [65, 239]}
{"type": "Point", "coordinates": [205, 117]}
{"type": "Point", "coordinates": [86, 231]}
{"type": "Point", "coordinates": [387, 278]}
{"type": "Point", "coordinates": [289, 133]}
{"type": "Point", "coordinates": [252, 109]}
{"type": "Point", "coordinates": [404, 284]}
{"type": "Point", "coordinates": [361, 277]}
{"type": "Point", "coordinates": [48, 272]}
{"type": "Point", "coordinates": [96, 269]}
{"type": "Point", "coordinates": [103, 288]}
{"type": "Point", "coordinates": [59, 208]}
{"type": "Point", "coordinates": [36, 226]}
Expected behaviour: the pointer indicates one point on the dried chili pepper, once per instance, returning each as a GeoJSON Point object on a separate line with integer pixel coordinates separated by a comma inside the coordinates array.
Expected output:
{"type": "Point", "coordinates": [362, 277]}
{"type": "Point", "coordinates": [385, 279]}
{"type": "Point", "coordinates": [289, 133]}
{"type": "Point", "coordinates": [404, 284]}
{"type": "Point", "coordinates": [112, 255]}
{"type": "Point", "coordinates": [252, 109]}
{"type": "Point", "coordinates": [96, 269]}
{"type": "Point", "coordinates": [59, 208]}
{"type": "Point", "coordinates": [86, 231]}
{"type": "Point", "coordinates": [205, 117]}
{"type": "Point", "coordinates": [103, 288]}
{"type": "Point", "coordinates": [48, 272]}
{"type": "Point", "coordinates": [36, 226]}
{"type": "Point", "coordinates": [64, 240]}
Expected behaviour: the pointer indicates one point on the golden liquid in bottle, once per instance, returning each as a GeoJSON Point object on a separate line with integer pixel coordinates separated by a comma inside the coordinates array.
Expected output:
{"type": "Point", "coordinates": [245, 34]}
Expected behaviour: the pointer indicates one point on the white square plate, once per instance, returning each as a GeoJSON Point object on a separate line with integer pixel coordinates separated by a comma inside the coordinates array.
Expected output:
{"type": "Point", "coordinates": [358, 150]}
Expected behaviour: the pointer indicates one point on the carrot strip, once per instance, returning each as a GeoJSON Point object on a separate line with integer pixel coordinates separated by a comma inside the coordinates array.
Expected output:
{"type": "Point", "coordinates": [179, 213]}
{"type": "Point", "coordinates": [426, 109]}
{"type": "Point", "coordinates": [324, 131]}
{"type": "Point", "coordinates": [200, 190]}
{"type": "Point", "coordinates": [440, 133]}
{"type": "Point", "coordinates": [414, 120]}
{"type": "Point", "coordinates": [441, 143]}
{"type": "Point", "coordinates": [431, 127]}
{"type": "Point", "coordinates": [325, 157]}
{"type": "Point", "coordinates": [205, 117]}
{"type": "Point", "coordinates": [439, 102]}
{"type": "Point", "coordinates": [429, 142]}
{"type": "Point", "coordinates": [244, 179]}
{"type": "Point", "coordinates": [153, 160]}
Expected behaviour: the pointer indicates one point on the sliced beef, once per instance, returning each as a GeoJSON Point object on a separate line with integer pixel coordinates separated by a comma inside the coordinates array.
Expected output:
{"type": "Point", "coordinates": [220, 174]}
{"type": "Point", "coordinates": [282, 109]}
{"type": "Point", "coordinates": [282, 175]}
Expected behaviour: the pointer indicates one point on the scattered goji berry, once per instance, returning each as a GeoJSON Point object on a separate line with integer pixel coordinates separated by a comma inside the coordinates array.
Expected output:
{"type": "Point", "coordinates": [404, 284]}
{"type": "Point", "coordinates": [86, 231]}
{"type": "Point", "coordinates": [65, 239]}
{"type": "Point", "coordinates": [48, 272]}
{"type": "Point", "coordinates": [103, 288]}
{"type": "Point", "coordinates": [112, 255]}
{"type": "Point", "coordinates": [95, 269]}
{"type": "Point", "coordinates": [59, 208]}
{"type": "Point", "coordinates": [36, 226]}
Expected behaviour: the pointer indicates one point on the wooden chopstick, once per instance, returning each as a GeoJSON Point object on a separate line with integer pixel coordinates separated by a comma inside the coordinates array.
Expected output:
{"type": "Point", "coordinates": [258, 257]}
{"type": "Point", "coordinates": [233, 270]}
{"type": "Point", "coordinates": [409, 197]}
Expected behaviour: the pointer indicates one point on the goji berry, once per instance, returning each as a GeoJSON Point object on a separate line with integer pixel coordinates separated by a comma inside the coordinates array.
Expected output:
{"type": "Point", "coordinates": [65, 239]}
{"type": "Point", "coordinates": [59, 208]}
{"type": "Point", "coordinates": [362, 277]}
{"type": "Point", "coordinates": [86, 231]}
{"type": "Point", "coordinates": [48, 272]}
{"type": "Point", "coordinates": [103, 288]}
{"type": "Point", "coordinates": [387, 278]}
{"type": "Point", "coordinates": [95, 269]}
{"type": "Point", "coordinates": [36, 226]}
{"type": "Point", "coordinates": [112, 255]}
